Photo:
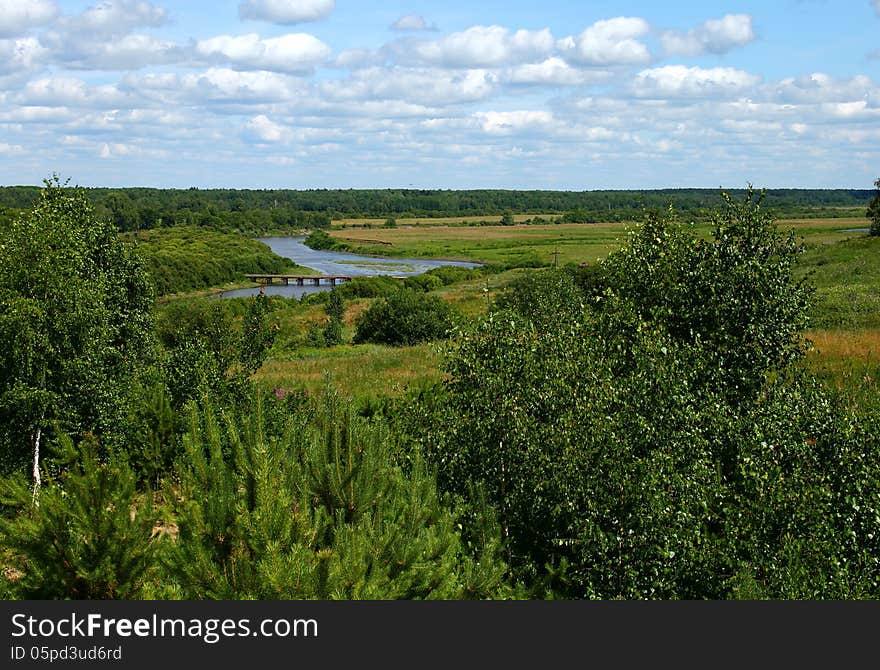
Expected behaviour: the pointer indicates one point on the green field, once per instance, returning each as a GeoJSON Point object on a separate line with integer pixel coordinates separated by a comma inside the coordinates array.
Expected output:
{"type": "Point", "coordinates": [538, 243]}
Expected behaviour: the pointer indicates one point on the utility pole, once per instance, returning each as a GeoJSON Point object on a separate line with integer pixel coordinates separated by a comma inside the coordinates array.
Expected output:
{"type": "Point", "coordinates": [486, 291]}
{"type": "Point", "coordinates": [556, 257]}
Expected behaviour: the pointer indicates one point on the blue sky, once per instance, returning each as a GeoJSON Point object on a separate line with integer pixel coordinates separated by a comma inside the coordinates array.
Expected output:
{"type": "Point", "coordinates": [352, 94]}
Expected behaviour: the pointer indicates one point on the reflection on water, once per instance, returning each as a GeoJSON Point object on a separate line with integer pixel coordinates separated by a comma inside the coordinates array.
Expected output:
{"type": "Point", "coordinates": [336, 263]}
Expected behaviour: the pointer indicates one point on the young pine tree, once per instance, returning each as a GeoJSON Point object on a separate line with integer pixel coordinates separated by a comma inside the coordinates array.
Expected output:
{"type": "Point", "coordinates": [316, 512]}
{"type": "Point", "coordinates": [90, 537]}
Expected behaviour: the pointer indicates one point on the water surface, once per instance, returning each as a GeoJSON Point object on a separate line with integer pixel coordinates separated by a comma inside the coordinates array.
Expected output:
{"type": "Point", "coordinates": [337, 263]}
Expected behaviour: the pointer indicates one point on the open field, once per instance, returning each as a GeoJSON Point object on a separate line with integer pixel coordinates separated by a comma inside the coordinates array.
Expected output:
{"type": "Point", "coordinates": [537, 243]}
{"type": "Point", "coordinates": [849, 360]}
{"type": "Point", "coordinates": [438, 221]}
{"type": "Point", "coordinates": [365, 370]}
{"type": "Point", "coordinates": [490, 244]}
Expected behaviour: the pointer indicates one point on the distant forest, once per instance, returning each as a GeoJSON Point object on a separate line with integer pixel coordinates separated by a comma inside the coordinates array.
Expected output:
{"type": "Point", "coordinates": [254, 211]}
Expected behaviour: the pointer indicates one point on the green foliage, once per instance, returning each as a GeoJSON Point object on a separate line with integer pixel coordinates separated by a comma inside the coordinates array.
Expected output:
{"type": "Point", "coordinates": [154, 441]}
{"type": "Point", "coordinates": [75, 324]}
{"type": "Point", "coordinates": [257, 334]}
{"type": "Point", "coordinates": [333, 333]}
{"type": "Point", "coordinates": [390, 223]}
{"type": "Point", "coordinates": [423, 282]}
{"type": "Point", "coordinates": [318, 239]}
{"type": "Point", "coordinates": [315, 336]}
{"type": "Point", "coordinates": [404, 318]}
{"type": "Point", "coordinates": [368, 287]}
{"type": "Point", "coordinates": [507, 218]}
{"type": "Point", "coordinates": [452, 274]}
{"type": "Point", "coordinates": [89, 538]}
{"type": "Point", "coordinates": [733, 295]}
{"type": "Point", "coordinates": [316, 511]}
{"type": "Point", "coordinates": [873, 212]}
{"type": "Point", "coordinates": [548, 298]}
{"type": "Point", "coordinates": [187, 258]}
{"type": "Point", "coordinates": [335, 307]}
{"type": "Point", "coordinates": [645, 447]}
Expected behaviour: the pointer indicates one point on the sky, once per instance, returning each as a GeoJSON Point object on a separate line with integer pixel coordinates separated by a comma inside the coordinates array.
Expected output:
{"type": "Point", "coordinates": [557, 94]}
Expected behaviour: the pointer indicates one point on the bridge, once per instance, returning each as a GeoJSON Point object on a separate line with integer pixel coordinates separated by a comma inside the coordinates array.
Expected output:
{"type": "Point", "coordinates": [313, 280]}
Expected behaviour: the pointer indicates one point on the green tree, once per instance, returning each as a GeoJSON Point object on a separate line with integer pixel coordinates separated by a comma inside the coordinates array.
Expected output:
{"type": "Point", "coordinates": [75, 326]}
{"type": "Point", "coordinates": [257, 334]}
{"type": "Point", "coordinates": [317, 509]}
{"type": "Point", "coordinates": [335, 307]}
{"type": "Point", "coordinates": [873, 212]}
{"type": "Point", "coordinates": [644, 447]}
{"type": "Point", "coordinates": [403, 318]}
{"type": "Point", "coordinates": [90, 537]}
{"type": "Point", "coordinates": [733, 295]}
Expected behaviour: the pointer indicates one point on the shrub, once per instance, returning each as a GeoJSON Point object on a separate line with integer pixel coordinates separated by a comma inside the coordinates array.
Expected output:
{"type": "Point", "coordinates": [450, 274]}
{"type": "Point", "coordinates": [404, 318]}
{"type": "Point", "coordinates": [424, 282]}
{"type": "Point", "coordinates": [369, 287]}
{"type": "Point", "coordinates": [873, 212]}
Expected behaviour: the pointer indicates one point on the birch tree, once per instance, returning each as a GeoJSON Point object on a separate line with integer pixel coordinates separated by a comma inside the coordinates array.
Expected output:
{"type": "Point", "coordinates": [75, 310]}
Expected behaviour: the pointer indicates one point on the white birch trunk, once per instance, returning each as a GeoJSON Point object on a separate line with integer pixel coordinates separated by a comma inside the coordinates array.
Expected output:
{"type": "Point", "coordinates": [36, 472]}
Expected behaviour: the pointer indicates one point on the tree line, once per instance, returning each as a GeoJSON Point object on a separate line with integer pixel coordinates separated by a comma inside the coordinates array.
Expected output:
{"type": "Point", "coordinates": [260, 211]}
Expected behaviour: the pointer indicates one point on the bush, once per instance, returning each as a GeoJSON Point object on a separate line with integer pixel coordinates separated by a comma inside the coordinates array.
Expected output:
{"type": "Point", "coordinates": [404, 318]}
{"type": "Point", "coordinates": [451, 274]}
{"type": "Point", "coordinates": [662, 442]}
{"type": "Point", "coordinates": [873, 212]}
{"type": "Point", "coordinates": [318, 239]}
{"type": "Point", "coordinates": [369, 287]}
{"type": "Point", "coordinates": [424, 282]}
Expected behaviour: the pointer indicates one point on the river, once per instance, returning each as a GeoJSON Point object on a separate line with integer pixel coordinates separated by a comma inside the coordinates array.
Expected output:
{"type": "Point", "coordinates": [336, 263]}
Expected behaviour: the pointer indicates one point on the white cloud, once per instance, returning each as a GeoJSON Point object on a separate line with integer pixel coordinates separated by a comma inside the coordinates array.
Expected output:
{"type": "Point", "coordinates": [286, 12]}
{"type": "Point", "coordinates": [820, 87]}
{"type": "Point", "coordinates": [100, 37]}
{"type": "Point", "coordinates": [294, 52]}
{"type": "Point", "coordinates": [221, 84]}
{"type": "Point", "coordinates": [485, 46]}
{"type": "Point", "coordinates": [506, 123]}
{"type": "Point", "coordinates": [681, 81]}
{"type": "Point", "coordinates": [717, 36]}
{"type": "Point", "coordinates": [419, 85]}
{"type": "Point", "coordinates": [119, 150]}
{"type": "Point", "coordinates": [11, 148]}
{"type": "Point", "coordinates": [21, 56]}
{"type": "Point", "coordinates": [262, 129]}
{"type": "Point", "coordinates": [129, 52]}
{"type": "Point", "coordinates": [750, 126]}
{"type": "Point", "coordinates": [112, 18]}
{"type": "Point", "coordinates": [18, 16]}
{"type": "Point", "coordinates": [353, 59]}
{"type": "Point", "coordinates": [36, 114]}
{"type": "Point", "coordinates": [217, 87]}
{"type": "Point", "coordinates": [847, 110]}
{"type": "Point", "coordinates": [58, 91]}
{"type": "Point", "coordinates": [554, 72]}
{"type": "Point", "coordinates": [609, 42]}
{"type": "Point", "coordinates": [413, 22]}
